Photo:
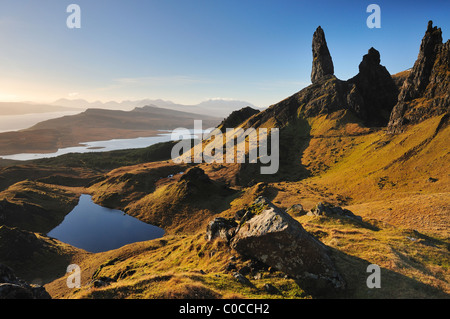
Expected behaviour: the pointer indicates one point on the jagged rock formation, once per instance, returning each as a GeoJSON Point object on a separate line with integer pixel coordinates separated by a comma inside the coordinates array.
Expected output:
{"type": "Point", "coordinates": [377, 90]}
{"type": "Point", "coordinates": [12, 287]}
{"type": "Point", "coordinates": [425, 92]}
{"type": "Point", "coordinates": [322, 61]}
{"type": "Point", "coordinates": [370, 95]}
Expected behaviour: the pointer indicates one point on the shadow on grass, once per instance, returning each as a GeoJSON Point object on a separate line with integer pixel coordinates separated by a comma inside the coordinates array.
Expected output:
{"type": "Point", "coordinates": [393, 284]}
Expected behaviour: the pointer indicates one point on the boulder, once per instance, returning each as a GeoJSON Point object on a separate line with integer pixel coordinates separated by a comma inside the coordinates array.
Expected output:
{"type": "Point", "coordinates": [12, 287]}
{"type": "Point", "coordinates": [273, 237]}
{"type": "Point", "coordinates": [296, 209]}
{"type": "Point", "coordinates": [326, 209]}
{"type": "Point", "coordinates": [220, 228]}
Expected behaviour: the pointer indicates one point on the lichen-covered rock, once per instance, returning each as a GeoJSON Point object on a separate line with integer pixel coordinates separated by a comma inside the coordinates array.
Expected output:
{"type": "Point", "coordinates": [276, 239]}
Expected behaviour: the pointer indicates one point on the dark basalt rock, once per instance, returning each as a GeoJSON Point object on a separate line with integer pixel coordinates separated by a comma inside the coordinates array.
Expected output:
{"type": "Point", "coordinates": [425, 91]}
{"type": "Point", "coordinates": [237, 117]}
{"type": "Point", "coordinates": [322, 61]}
{"type": "Point", "coordinates": [377, 89]}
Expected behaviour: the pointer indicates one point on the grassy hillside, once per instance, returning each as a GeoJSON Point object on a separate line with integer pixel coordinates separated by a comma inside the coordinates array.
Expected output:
{"type": "Point", "coordinates": [97, 125]}
{"type": "Point", "coordinates": [398, 184]}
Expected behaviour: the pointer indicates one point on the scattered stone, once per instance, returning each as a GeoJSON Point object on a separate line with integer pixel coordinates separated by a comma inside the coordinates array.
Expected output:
{"type": "Point", "coordinates": [242, 279]}
{"type": "Point", "coordinates": [296, 209]}
{"type": "Point", "coordinates": [271, 289]}
{"type": "Point", "coordinates": [12, 287]}
{"type": "Point", "coordinates": [220, 228]}
{"type": "Point", "coordinates": [245, 270]}
{"type": "Point", "coordinates": [326, 209]}
{"type": "Point", "coordinates": [102, 282]}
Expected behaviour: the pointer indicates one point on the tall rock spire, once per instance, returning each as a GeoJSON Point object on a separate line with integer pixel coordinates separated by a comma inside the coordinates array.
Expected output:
{"type": "Point", "coordinates": [322, 62]}
{"type": "Point", "coordinates": [420, 75]}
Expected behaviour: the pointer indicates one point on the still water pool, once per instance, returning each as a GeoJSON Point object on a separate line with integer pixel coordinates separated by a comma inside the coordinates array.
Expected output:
{"type": "Point", "coordinates": [96, 229]}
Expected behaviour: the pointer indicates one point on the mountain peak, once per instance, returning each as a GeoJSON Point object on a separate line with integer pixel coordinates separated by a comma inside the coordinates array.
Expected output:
{"type": "Point", "coordinates": [371, 58]}
{"type": "Point", "coordinates": [322, 61]}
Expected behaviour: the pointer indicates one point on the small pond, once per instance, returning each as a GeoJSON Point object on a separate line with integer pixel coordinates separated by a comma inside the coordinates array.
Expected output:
{"type": "Point", "coordinates": [96, 229]}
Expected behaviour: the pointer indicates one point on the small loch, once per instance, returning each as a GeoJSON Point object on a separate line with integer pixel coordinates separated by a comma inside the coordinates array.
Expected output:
{"type": "Point", "coordinates": [96, 229]}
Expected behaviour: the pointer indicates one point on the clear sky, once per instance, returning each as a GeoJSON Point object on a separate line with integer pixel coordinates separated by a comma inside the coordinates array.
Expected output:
{"type": "Point", "coordinates": [188, 51]}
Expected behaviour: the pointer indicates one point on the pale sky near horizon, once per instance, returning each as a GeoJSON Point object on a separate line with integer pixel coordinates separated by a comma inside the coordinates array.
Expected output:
{"type": "Point", "coordinates": [190, 51]}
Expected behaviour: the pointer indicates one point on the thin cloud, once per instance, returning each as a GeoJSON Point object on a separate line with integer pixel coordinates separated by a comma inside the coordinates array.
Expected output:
{"type": "Point", "coordinates": [160, 80]}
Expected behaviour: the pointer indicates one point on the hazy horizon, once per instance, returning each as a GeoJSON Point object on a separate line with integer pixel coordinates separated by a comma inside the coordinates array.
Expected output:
{"type": "Point", "coordinates": [256, 51]}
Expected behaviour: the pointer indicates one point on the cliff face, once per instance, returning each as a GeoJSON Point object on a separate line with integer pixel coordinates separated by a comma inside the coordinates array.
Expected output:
{"type": "Point", "coordinates": [425, 92]}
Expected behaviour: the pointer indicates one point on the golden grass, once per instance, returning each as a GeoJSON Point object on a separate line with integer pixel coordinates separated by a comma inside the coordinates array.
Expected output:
{"type": "Point", "coordinates": [399, 184]}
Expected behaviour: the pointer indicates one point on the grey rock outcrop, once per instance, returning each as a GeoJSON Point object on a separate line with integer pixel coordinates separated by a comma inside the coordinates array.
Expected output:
{"type": "Point", "coordinates": [12, 287]}
{"type": "Point", "coordinates": [273, 237]}
{"type": "Point", "coordinates": [326, 209]}
{"type": "Point", "coordinates": [322, 61]}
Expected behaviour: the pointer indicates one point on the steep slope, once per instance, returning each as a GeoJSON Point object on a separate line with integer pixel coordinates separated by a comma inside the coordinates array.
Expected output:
{"type": "Point", "coordinates": [397, 185]}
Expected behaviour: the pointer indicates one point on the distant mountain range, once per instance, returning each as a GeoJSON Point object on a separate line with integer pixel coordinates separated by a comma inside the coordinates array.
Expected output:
{"type": "Point", "coordinates": [212, 107]}
{"type": "Point", "coordinates": [19, 108]}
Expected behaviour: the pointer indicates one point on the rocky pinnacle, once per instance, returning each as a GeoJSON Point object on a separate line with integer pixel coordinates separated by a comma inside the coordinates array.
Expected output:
{"type": "Point", "coordinates": [322, 62]}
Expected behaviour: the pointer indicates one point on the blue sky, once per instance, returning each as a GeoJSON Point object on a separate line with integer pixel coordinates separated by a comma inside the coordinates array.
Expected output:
{"type": "Point", "coordinates": [190, 51]}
